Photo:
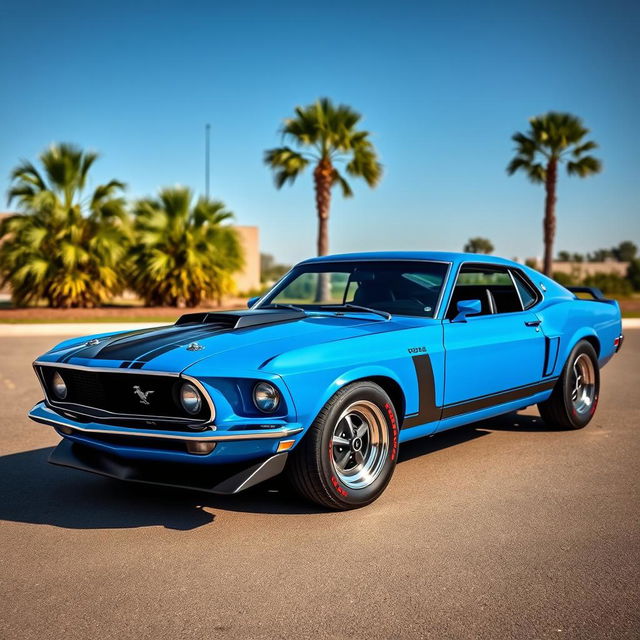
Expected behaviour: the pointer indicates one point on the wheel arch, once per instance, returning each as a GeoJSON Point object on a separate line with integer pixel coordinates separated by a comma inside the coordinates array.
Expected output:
{"type": "Point", "coordinates": [593, 340]}
{"type": "Point", "coordinates": [394, 391]}
{"type": "Point", "coordinates": [383, 377]}
{"type": "Point", "coordinates": [588, 335]}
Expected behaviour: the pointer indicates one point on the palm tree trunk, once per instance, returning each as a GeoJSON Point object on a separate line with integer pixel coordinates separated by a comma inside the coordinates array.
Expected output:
{"type": "Point", "coordinates": [549, 225]}
{"type": "Point", "coordinates": [323, 177]}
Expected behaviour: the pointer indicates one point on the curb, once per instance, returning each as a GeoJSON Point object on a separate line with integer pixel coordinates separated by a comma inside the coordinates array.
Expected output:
{"type": "Point", "coordinates": [74, 329]}
{"type": "Point", "coordinates": [79, 329]}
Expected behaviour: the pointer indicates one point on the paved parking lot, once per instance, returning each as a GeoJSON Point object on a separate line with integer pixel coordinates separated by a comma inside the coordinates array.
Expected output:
{"type": "Point", "coordinates": [504, 529]}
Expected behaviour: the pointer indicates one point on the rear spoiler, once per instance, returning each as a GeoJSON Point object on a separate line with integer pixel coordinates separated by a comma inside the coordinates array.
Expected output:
{"type": "Point", "coordinates": [594, 292]}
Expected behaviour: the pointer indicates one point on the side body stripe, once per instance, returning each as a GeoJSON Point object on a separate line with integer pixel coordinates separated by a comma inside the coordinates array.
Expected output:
{"type": "Point", "coordinates": [429, 412]}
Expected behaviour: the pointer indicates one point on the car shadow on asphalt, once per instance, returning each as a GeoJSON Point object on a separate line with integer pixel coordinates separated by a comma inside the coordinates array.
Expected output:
{"type": "Point", "coordinates": [31, 490]}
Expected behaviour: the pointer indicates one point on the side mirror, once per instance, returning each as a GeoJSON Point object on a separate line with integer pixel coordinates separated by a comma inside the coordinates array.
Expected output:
{"type": "Point", "coordinates": [252, 301]}
{"type": "Point", "coordinates": [467, 308]}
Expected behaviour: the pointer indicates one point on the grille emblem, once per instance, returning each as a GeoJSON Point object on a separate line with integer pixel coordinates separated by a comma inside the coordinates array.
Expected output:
{"type": "Point", "coordinates": [142, 395]}
{"type": "Point", "coordinates": [195, 346]}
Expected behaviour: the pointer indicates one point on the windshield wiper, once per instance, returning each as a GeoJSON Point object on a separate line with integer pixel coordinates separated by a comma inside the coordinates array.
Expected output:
{"type": "Point", "coordinates": [278, 305]}
{"type": "Point", "coordinates": [357, 307]}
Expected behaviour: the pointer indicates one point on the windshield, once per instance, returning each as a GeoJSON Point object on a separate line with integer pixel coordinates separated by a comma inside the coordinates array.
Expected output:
{"type": "Point", "coordinates": [409, 288]}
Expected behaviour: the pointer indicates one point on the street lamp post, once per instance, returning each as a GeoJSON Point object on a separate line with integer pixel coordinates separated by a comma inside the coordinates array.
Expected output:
{"type": "Point", "coordinates": [207, 131]}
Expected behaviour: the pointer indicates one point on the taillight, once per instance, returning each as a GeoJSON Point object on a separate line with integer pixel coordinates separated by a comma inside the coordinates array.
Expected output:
{"type": "Point", "coordinates": [617, 343]}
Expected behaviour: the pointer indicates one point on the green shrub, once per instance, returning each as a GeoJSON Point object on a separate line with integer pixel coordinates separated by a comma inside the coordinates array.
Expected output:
{"type": "Point", "coordinates": [633, 274]}
{"type": "Point", "coordinates": [609, 283]}
{"type": "Point", "coordinates": [565, 279]}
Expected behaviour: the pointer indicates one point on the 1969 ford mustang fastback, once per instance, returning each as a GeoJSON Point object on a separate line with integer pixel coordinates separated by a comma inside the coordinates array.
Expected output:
{"type": "Point", "coordinates": [324, 376]}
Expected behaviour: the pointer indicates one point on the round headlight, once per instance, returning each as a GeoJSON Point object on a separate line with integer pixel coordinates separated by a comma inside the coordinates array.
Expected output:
{"type": "Point", "coordinates": [59, 387]}
{"type": "Point", "coordinates": [190, 398]}
{"type": "Point", "coordinates": [266, 397]}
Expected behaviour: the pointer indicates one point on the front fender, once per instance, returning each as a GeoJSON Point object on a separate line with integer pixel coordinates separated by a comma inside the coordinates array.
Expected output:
{"type": "Point", "coordinates": [352, 375]}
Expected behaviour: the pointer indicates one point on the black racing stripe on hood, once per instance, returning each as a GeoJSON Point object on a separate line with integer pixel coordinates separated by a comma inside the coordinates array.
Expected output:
{"type": "Point", "coordinates": [133, 349]}
{"type": "Point", "coordinates": [191, 337]}
{"type": "Point", "coordinates": [85, 351]}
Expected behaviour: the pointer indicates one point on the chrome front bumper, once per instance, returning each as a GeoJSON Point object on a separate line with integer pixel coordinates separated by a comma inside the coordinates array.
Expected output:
{"type": "Point", "coordinates": [45, 415]}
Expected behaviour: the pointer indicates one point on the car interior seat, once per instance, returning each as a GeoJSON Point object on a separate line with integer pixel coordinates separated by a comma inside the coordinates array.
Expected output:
{"type": "Point", "coordinates": [371, 292]}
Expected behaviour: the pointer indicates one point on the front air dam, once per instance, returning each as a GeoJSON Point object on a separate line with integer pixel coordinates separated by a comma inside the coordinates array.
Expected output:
{"type": "Point", "coordinates": [221, 479]}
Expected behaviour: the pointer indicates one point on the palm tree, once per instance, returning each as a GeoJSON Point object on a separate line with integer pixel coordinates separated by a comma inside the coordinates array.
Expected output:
{"type": "Point", "coordinates": [326, 135]}
{"type": "Point", "coordinates": [553, 138]}
{"type": "Point", "coordinates": [183, 253]}
{"type": "Point", "coordinates": [64, 246]}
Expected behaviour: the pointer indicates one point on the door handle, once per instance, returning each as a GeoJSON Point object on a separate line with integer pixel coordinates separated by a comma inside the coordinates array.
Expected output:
{"type": "Point", "coordinates": [533, 323]}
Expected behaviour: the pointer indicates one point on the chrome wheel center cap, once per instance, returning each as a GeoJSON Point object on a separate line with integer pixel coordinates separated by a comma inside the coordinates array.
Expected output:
{"type": "Point", "coordinates": [356, 444]}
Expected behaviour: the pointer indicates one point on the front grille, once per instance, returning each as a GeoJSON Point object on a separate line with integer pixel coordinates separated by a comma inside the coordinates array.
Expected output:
{"type": "Point", "coordinates": [106, 393]}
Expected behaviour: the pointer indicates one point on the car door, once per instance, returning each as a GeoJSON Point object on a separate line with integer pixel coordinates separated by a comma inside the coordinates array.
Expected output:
{"type": "Point", "coordinates": [490, 358]}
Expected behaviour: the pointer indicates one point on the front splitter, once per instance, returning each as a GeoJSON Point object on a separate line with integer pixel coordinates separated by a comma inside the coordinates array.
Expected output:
{"type": "Point", "coordinates": [221, 479]}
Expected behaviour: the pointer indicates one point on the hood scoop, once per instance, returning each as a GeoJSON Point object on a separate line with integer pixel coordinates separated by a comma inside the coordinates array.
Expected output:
{"type": "Point", "coordinates": [241, 319]}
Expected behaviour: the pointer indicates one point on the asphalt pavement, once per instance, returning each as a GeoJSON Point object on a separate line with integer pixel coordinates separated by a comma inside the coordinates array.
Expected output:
{"type": "Point", "coordinates": [503, 529]}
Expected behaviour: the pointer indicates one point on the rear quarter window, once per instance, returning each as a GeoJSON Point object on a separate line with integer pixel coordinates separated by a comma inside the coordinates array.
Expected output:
{"type": "Point", "coordinates": [528, 294]}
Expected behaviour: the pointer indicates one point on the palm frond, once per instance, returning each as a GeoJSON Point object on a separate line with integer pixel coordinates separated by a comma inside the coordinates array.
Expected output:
{"type": "Point", "coordinates": [287, 164]}
{"type": "Point", "coordinates": [583, 148]}
{"type": "Point", "coordinates": [346, 188]}
{"type": "Point", "coordinates": [585, 166]}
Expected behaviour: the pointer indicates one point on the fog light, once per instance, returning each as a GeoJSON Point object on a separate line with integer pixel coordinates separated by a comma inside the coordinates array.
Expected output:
{"type": "Point", "coordinates": [200, 448]}
{"type": "Point", "coordinates": [59, 386]}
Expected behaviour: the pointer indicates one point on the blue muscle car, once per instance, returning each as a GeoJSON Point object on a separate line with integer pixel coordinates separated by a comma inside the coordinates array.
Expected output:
{"type": "Point", "coordinates": [325, 375]}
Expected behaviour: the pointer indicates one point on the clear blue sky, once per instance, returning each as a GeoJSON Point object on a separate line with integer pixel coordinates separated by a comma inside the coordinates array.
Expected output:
{"type": "Point", "coordinates": [442, 86]}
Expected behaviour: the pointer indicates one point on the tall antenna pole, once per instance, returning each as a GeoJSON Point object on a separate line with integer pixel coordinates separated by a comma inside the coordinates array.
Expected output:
{"type": "Point", "coordinates": [207, 130]}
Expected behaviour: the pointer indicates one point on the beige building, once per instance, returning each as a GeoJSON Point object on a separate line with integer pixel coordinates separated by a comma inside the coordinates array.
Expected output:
{"type": "Point", "coordinates": [248, 279]}
{"type": "Point", "coordinates": [584, 269]}
{"type": "Point", "coordinates": [581, 270]}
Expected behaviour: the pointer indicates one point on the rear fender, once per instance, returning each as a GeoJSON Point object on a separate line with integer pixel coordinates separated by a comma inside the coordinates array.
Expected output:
{"type": "Point", "coordinates": [603, 344]}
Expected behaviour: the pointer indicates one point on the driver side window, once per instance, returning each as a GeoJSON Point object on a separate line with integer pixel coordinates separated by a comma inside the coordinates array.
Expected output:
{"type": "Point", "coordinates": [492, 285]}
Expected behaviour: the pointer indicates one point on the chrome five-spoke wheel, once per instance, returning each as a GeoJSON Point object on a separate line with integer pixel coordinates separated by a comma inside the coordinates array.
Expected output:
{"type": "Point", "coordinates": [360, 444]}
{"type": "Point", "coordinates": [574, 398]}
{"type": "Point", "coordinates": [584, 384]}
{"type": "Point", "coordinates": [348, 456]}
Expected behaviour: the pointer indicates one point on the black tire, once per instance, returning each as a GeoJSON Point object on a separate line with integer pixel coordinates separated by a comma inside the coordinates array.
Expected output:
{"type": "Point", "coordinates": [316, 467]}
{"type": "Point", "coordinates": [564, 408]}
